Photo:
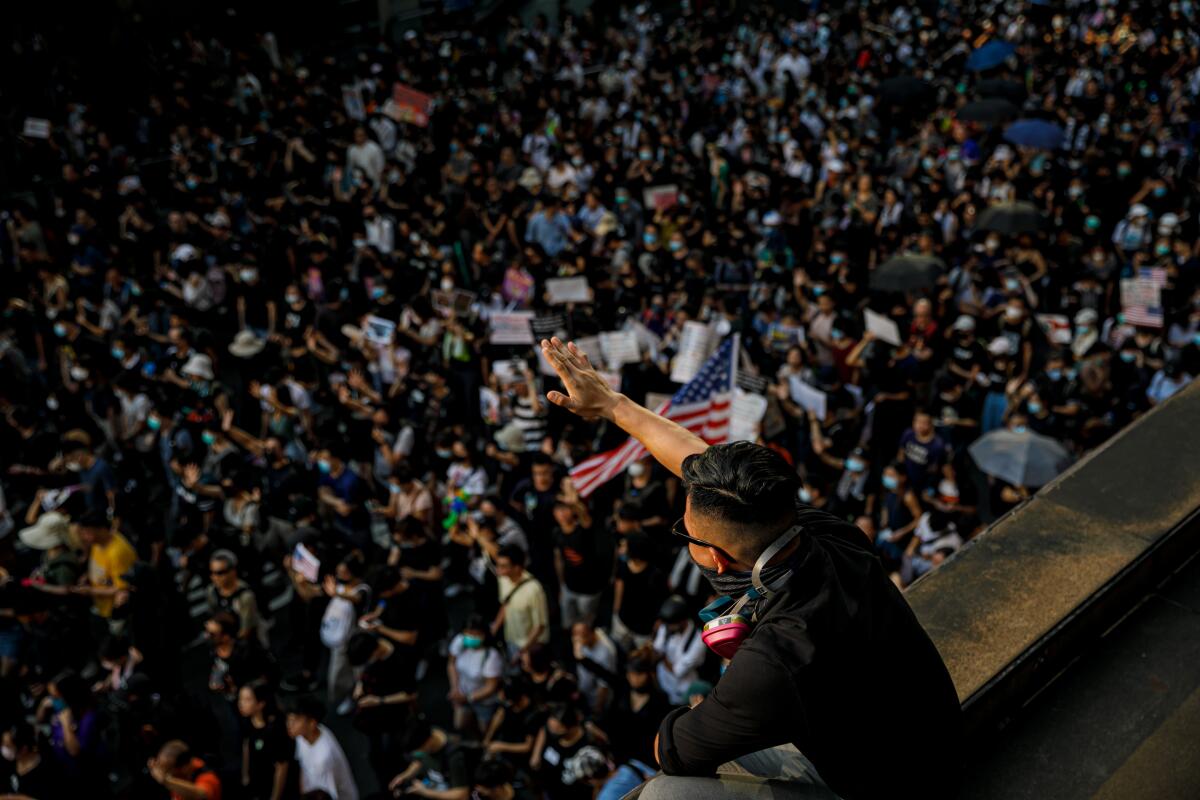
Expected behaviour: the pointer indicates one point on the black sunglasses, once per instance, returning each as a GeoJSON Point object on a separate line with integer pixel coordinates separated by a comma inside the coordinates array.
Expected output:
{"type": "Point", "coordinates": [680, 530]}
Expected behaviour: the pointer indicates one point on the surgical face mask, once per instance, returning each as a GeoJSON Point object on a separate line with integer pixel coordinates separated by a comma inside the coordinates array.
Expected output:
{"type": "Point", "coordinates": [577, 161]}
{"type": "Point", "coordinates": [675, 245]}
{"type": "Point", "coordinates": [1123, 171]}
{"type": "Point", "coordinates": [472, 642]}
{"type": "Point", "coordinates": [1147, 151]}
{"type": "Point", "coordinates": [9, 753]}
{"type": "Point", "coordinates": [60, 330]}
{"type": "Point", "coordinates": [818, 291]}
{"type": "Point", "coordinates": [1092, 222]}
{"type": "Point", "coordinates": [805, 496]}
{"type": "Point", "coordinates": [394, 488]}
{"type": "Point", "coordinates": [991, 245]}
{"type": "Point", "coordinates": [73, 466]}
{"type": "Point", "coordinates": [1081, 330]}
{"type": "Point", "coordinates": [153, 423]}
{"type": "Point", "coordinates": [1160, 191]}
{"type": "Point", "coordinates": [208, 438]}
{"type": "Point", "coordinates": [645, 155]}
{"type": "Point", "coordinates": [1012, 284]}
{"type": "Point", "coordinates": [649, 238]}
{"type": "Point", "coordinates": [377, 292]}
{"type": "Point", "coordinates": [324, 466]}
{"type": "Point", "coordinates": [1128, 356]}
{"type": "Point", "coordinates": [79, 373]}
{"type": "Point", "coordinates": [890, 482]}
{"type": "Point", "coordinates": [1012, 313]}
{"type": "Point", "coordinates": [447, 284]}
{"type": "Point", "coordinates": [1019, 429]}
{"type": "Point", "coordinates": [837, 259]}
{"type": "Point", "coordinates": [622, 199]}
{"type": "Point", "coordinates": [1034, 407]}
{"type": "Point", "coordinates": [1162, 249]}
{"type": "Point", "coordinates": [1074, 192]}
{"type": "Point", "coordinates": [117, 353]}
{"type": "Point", "coordinates": [444, 453]}
{"type": "Point", "coordinates": [1054, 374]}
{"type": "Point", "coordinates": [247, 274]}
{"type": "Point", "coordinates": [836, 334]}
{"type": "Point", "coordinates": [855, 464]}
{"type": "Point", "coordinates": [637, 469]}
{"type": "Point", "coordinates": [292, 299]}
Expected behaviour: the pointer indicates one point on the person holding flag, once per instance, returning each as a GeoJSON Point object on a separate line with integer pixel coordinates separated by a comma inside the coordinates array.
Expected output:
{"type": "Point", "coordinates": [806, 617]}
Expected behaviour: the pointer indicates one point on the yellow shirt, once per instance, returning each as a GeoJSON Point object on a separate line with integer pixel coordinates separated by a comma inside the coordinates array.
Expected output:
{"type": "Point", "coordinates": [106, 564]}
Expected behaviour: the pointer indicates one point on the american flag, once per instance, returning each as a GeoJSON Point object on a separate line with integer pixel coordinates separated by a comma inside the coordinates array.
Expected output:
{"type": "Point", "coordinates": [703, 406]}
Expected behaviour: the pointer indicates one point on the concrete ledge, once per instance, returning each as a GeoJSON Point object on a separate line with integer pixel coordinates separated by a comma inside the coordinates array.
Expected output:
{"type": "Point", "coordinates": [1021, 601]}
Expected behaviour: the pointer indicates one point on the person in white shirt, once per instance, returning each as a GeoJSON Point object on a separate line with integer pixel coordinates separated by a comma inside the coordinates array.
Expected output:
{"type": "Point", "coordinates": [595, 664]}
{"type": "Point", "coordinates": [679, 648]}
{"type": "Point", "coordinates": [365, 154]}
{"type": "Point", "coordinates": [322, 762]}
{"type": "Point", "coordinates": [474, 670]}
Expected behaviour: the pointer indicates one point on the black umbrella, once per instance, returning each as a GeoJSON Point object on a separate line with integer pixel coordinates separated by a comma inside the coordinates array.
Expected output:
{"type": "Point", "coordinates": [991, 111]}
{"type": "Point", "coordinates": [904, 89]}
{"type": "Point", "coordinates": [1001, 87]}
{"type": "Point", "coordinates": [907, 271]}
{"type": "Point", "coordinates": [1011, 218]}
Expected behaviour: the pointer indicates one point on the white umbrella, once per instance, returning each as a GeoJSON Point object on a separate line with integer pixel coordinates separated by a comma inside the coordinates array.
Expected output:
{"type": "Point", "coordinates": [1021, 458]}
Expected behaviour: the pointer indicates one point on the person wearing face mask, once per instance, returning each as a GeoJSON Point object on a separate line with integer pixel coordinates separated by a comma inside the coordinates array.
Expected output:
{"type": "Point", "coordinates": [93, 472]}
{"type": "Point", "coordinates": [341, 491]}
{"type": "Point", "coordinates": [255, 307]}
{"type": "Point", "coordinates": [474, 670]}
{"type": "Point", "coordinates": [28, 773]}
{"type": "Point", "coordinates": [797, 587]}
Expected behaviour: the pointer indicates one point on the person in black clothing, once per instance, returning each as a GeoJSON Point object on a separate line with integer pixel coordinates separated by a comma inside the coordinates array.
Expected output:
{"type": "Point", "coordinates": [27, 773]}
{"type": "Point", "coordinates": [510, 733]}
{"type": "Point", "coordinates": [637, 713]}
{"type": "Point", "coordinates": [266, 748]}
{"type": "Point", "coordinates": [819, 611]}
{"type": "Point", "coordinates": [383, 696]}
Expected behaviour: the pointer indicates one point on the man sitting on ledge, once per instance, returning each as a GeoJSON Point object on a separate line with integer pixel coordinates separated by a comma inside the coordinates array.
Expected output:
{"type": "Point", "coordinates": [832, 688]}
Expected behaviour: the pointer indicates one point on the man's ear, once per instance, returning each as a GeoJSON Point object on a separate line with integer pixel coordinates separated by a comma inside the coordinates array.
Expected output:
{"type": "Point", "coordinates": [721, 561]}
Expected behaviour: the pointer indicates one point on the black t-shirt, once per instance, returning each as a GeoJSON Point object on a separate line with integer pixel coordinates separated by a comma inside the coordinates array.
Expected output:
{"type": "Point", "coordinates": [642, 597]}
{"type": "Point", "coordinates": [293, 322]}
{"type": "Point", "coordinates": [268, 746]}
{"type": "Point", "coordinates": [805, 676]}
{"type": "Point", "coordinates": [632, 731]}
{"type": "Point", "coordinates": [583, 567]}
{"type": "Point", "coordinates": [43, 781]}
{"type": "Point", "coordinates": [256, 297]}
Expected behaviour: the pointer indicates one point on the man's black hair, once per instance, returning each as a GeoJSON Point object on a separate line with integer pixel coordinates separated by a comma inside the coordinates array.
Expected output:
{"type": "Point", "coordinates": [94, 518]}
{"type": "Point", "coordinates": [513, 553]}
{"type": "Point", "coordinates": [493, 773]}
{"type": "Point", "coordinates": [360, 648]}
{"type": "Point", "coordinates": [305, 705]}
{"type": "Point", "coordinates": [540, 459]}
{"type": "Point", "coordinates": [747, 485]}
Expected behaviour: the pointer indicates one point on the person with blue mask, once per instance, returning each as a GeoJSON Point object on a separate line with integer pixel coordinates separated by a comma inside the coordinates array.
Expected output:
{"type": "Point", "coordinates": [342, 492]}
{"type": "Point", "coordinates": [550, 228]}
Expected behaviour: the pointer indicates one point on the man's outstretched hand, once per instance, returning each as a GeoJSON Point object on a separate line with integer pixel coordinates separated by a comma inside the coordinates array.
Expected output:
{"type": "Point", "coordinates": [588, 394]}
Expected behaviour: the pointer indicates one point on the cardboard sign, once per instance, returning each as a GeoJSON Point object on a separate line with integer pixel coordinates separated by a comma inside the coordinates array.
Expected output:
{"type": "Point", "coordinates": [510, 328]}
{"type": "Point", "coordinates": [456, 301]}
{"type": "Point", "coordinates": [509, 371]}
{"type": "Point", "coordinates": [36, 128]}
{"type": "Point", "coordinates": [1057, 327]}
{"type": "Point", "coordinates": [410, 106]}
{"type": "Point", "coordinates": [694, 347]}
{"type": "Point", "coordinates": [660, 198]}
{"type": "Point", "coordinates": [883, 328]}
{"type": "Point", "coordinates": [305, 564]}
{"type": "Point", "coordinates": [811, 399]}
{"type": "Point", "coordinates": [748, 411]}
{"type": "Point", "coordinates": [568, 290]}
{"type": "Point", "coordinates": [379, 330]}
{"type": "Point", "coordinates": [620, 348]}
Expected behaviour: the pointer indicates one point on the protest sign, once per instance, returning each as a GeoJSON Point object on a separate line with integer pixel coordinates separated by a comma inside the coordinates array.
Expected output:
{"type": "Point", "coordinates": [883, 328]}
{"type": "Point", "coordinates": [568, 290]}
{"type": "Point", "coordinates": [811, 399]}
{"type": "Point", "coordinates": [511, 327]}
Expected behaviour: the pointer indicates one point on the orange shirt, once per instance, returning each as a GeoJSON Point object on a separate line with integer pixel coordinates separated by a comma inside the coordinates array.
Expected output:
{"type": "Point", "coordinates": [206, 781]}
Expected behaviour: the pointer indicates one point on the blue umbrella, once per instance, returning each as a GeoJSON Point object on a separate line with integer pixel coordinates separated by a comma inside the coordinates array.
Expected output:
{"type": "Point", "coordinates": [1037, 133]}
{"type": "Point", "coordinates": [991, 54]}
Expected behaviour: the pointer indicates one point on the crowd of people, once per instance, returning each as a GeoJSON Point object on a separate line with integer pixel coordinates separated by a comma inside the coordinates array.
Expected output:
{"type": "Point", "coordinates": [217, 463]}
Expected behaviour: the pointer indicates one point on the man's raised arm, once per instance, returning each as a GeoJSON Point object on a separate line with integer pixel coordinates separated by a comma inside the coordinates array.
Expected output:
{"type": "Point", "coordinates": [590, 396]}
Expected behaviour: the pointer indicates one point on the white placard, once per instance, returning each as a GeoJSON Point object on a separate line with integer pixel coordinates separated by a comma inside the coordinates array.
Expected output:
{"type": "Point", "coordinates": [648, 340]}
{"type": "Point", "coordinates": [883, 328]}
{"type": "Point", "coordinates": [694, 346]}
{"type": "Point", "coordinates": [748, 411]}
{"type": "Point", "coordinates": [1057, 327]}
{"type": "Point", "coordinates": [380, 330]}
{"type": "Point", "coordinates": [305, 564]}
{"type": "Point", "coordinates": [620, 348]}
{"type": "Point", "coordinates": [660, 198]}
{"type": "Point", "coordinates": [508, 371]}
{"type": "Point", "coordinates": [568, 290]}
{"type": "Point", "coordinates": [36, 128]}
{"type": "Point", "coordinates": [807, 397]}
{"type": "Point", "coordinates": [511, 328]}
{"type": "Point", "coordinates": [590, 345]}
